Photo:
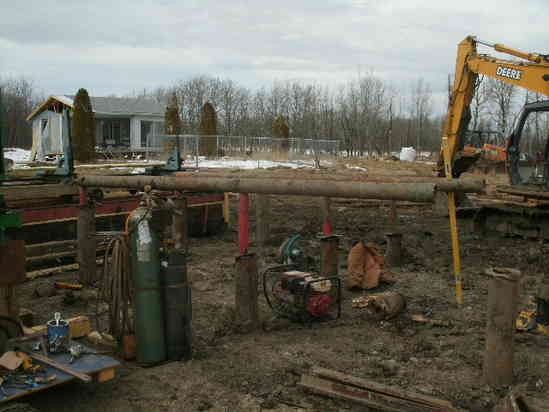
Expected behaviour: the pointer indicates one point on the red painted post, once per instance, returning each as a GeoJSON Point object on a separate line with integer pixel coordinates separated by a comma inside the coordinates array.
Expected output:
{"type": "Point", "coordinates": [325, 207]}
{"type": "Point", "coordinates": [83, 196]}
{"type": "Point", "coordinates": [244, 222]}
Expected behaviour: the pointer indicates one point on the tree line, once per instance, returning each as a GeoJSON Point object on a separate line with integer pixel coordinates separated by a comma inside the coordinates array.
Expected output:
{"type": "Point", "coordinates": [18, 97]}
{"type": "Point", "coordinates": [366, 114]}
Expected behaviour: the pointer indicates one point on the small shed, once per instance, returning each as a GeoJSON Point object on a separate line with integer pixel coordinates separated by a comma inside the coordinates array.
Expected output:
{"type": "Point", "coordinates": [122, 123]}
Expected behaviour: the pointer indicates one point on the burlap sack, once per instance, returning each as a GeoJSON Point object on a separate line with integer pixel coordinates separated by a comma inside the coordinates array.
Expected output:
{"type": "Point", "coordinates": [365, 267]}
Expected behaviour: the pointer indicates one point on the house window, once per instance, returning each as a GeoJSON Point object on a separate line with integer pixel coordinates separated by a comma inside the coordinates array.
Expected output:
{"type": "Point", "coordinates": [146, 132]}
{"type": "Point", "coordinates": [43, 125]}
{"type": "Point", "coordinates": [111, 132]}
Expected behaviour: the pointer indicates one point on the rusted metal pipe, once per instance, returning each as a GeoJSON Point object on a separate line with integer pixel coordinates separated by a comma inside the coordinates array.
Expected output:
{"type": "Point", "coordinates": [503, 297]}
{"type": "Point", "coordinates": [329, 255]}
{"type": "Point", "coordinates": [415, 192]}
{"type": "Point", "coordinates": [243, 222]}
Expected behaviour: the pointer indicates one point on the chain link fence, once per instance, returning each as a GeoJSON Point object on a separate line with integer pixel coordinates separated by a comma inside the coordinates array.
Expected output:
{"type": "Point", "coordinates": [250, 147]}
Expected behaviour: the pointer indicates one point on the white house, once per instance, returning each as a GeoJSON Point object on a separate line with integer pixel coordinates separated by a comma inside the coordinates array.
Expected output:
{"type": "Point", "coordinates": [121, 123]}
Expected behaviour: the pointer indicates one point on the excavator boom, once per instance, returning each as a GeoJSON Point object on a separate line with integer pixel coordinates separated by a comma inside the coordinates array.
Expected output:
{"type": "Point", "coordinates": [531, 73]}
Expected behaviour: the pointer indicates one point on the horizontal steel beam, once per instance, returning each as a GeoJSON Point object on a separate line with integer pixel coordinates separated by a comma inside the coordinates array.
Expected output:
{"type": "Point", "coordinates": [414, 192]}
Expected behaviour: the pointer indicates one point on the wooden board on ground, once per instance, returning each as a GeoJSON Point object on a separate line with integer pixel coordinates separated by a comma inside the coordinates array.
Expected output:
{"type": "Point", "coordinates": [374, 395]}
{"type": "Point", "coordinates": [100, 367]}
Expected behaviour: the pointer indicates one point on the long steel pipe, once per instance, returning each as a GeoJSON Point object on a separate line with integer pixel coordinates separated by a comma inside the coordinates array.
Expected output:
{"type": "Point", "coordinates": [415, 192]}
{"type": "Point", "coordinates": [464, 185]}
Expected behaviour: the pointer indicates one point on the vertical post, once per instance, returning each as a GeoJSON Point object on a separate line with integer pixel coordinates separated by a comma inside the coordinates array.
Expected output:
{"type": "Point", "coordinates": [226, 209]}
{"type": "Point", "coordinates": [244, 222]}
{"type": "Point", "coordinates": [196, 151]}
{"type": "Point", "coordinates": [87, 267]}
{"type": "Point", "coordinates": [262, 219]}
{"type": "Point", "coordinates": [393, 254]}
{"type": "Point", "coordinates": [453, 221]}
{"type": "Point", "coordinates": [329, 256]}
{"type": "Point", "coordinates": [393, 217]}
{"type": "Point", "coordinates": [177, 306]}
{"type": "Point", "coordinates": [180, 229]}
{"type": "Point", "coordinates": [325, 208]}
{"type": "Point", "coordinates": [503, 295]}
{"type": "Point", "coordinates": [247, 312]}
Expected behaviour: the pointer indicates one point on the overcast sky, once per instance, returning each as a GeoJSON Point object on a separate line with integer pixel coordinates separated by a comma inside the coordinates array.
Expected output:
{"type": "Point", "coordinates": [120, 46]}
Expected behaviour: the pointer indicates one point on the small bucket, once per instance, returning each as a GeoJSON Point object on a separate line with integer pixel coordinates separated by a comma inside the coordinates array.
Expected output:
{"type": "Point", "coordinates": [58, 333]}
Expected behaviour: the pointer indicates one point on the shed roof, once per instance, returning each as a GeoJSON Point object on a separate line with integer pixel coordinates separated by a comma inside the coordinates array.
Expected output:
{"type": "Point", "coordinates": [128, 106]}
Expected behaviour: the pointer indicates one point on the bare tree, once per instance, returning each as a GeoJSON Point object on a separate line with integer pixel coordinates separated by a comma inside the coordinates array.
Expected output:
{"type": "Point", "coordinates": [500, 95]}
{"type": "Point", "coordinates": [19, 97]}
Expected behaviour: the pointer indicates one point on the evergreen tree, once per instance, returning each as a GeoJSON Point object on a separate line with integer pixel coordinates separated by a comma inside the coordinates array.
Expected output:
{"type": "Point", "coordinates": [208, 131]}
{"type": "Point", "coordinates": [281, 131]}
{"type": "Point", "coordinates": [83, 128]}
{"type": "Point", "coordinates": [172, 122]}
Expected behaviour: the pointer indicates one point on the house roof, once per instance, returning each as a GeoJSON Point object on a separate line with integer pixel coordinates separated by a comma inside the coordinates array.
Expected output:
{"type": "Point", "coordinates": [128, 106]}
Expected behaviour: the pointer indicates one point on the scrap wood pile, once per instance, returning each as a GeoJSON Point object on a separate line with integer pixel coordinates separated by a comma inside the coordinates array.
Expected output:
{"type": "Point", "coordinates": [337, 385]}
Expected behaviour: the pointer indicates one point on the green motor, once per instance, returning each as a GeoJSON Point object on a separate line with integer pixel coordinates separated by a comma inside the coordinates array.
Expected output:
{"type": "Point", "coordinates": [149, 318]}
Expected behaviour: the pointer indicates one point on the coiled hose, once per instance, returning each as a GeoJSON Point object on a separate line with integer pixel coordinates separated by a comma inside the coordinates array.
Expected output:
{"type": "Point", "coordinates": [116, 286]}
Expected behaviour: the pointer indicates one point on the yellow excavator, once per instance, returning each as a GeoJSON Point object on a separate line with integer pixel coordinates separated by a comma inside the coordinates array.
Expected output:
{"type": "Point", "coordinates": [531, 72]}
{"type": "Point", "coordinates": [529, 215]}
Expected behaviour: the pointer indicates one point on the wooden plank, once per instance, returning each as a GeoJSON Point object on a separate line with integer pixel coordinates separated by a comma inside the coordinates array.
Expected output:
{"type": "Point", "coordinates": [79, 326]}
{"type": "Point", "coordinates": [98, 166]}
{"type": "Point", "coordinates": [42, 191]}
{"type": "Point", "coordinates": [525, 191]}
{"type": "Point", "coordinates": [57, 365]}
{"type": "Point", "coordinates": [39, 249]}
{"type": "Point", "coordinates": [330, 389]}
{"type": "Point", "coordinates": [376, 387]}
{"type": "Point", "coordinates": [58, 269]}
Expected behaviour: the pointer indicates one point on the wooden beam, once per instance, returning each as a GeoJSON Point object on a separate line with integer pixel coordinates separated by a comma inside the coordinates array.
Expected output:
{"type": "Point", "coordinates": [41, 191]}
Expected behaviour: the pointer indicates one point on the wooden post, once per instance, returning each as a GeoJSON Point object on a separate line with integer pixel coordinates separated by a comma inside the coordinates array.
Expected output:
{"type": "Point", "coordinates": [329, 256]}
{"type": "Point", "coordinates": [263, 204]}
{"type": "Point", "coordinates": [393, 217]}
{"type": "Point", "coordinates": [325, 207]}
{"type": "Point", "coordinates": [503, 295]}
{"type": "Point", "coordinates": [243, 222]}
{"type": "Point", "coordinates": [393, 255]}
{"type": "Point", "coordinates": [247, 312]}
{"type": "Point", "coordinates": [180, 228]}
{"type": "Point", "coordinates": [87, 244]}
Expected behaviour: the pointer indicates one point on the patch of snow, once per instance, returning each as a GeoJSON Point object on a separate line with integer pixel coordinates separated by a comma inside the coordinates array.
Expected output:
{"type": "Point", "coordinates": [130, 170]}
{"type": "Point", "coordinates": [362, 169]}
{"type": "Point", "coordinates": [247, 164]}
{"type": "Point", "coordinates": [17, 155]}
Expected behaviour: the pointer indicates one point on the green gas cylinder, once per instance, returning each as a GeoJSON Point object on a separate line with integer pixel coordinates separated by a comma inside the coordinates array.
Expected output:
{"type": "Point", "coordinates": [149, 319]}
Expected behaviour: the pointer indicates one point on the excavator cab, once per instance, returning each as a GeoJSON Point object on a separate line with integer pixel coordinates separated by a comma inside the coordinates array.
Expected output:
{"type": "Point", "coordinates": [528, 169]}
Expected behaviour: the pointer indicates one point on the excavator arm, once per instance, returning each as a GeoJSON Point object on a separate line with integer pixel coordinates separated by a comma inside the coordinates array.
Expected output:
{"type": "Point", "coordinates": [531, 73]}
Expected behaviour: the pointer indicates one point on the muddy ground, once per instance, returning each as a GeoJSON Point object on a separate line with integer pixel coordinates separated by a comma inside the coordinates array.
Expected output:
{"type": "Point", "coordinates": [259, 371]}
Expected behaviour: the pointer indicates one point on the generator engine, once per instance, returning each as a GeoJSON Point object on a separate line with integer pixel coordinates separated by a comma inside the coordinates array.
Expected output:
{"type": "Point", "coordinates": [302, 296]}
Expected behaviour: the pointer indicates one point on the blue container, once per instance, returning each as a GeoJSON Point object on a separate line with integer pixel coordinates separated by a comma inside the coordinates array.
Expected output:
{"type": "Point", "coordinates": [58, 332]}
